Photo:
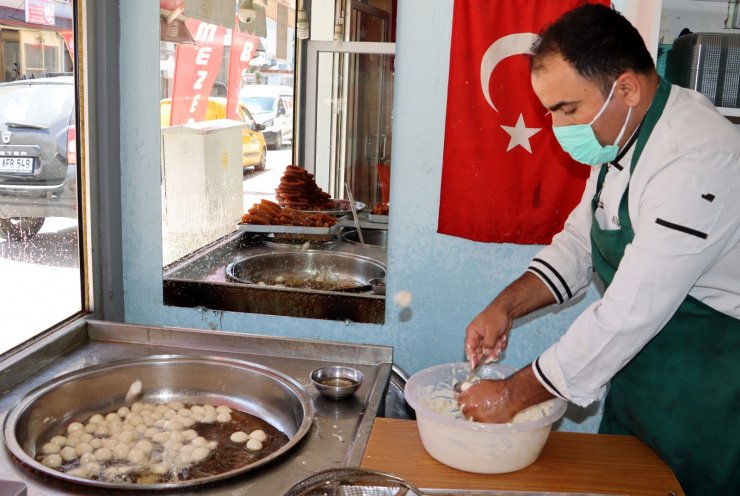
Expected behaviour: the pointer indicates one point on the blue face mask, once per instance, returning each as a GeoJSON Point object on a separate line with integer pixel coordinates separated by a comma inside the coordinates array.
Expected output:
{"type": "Point", "coordinates": [580, 141]}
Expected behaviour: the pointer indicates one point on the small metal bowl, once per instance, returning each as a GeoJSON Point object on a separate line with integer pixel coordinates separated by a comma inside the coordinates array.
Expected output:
{"type": "Point", "coordinates": [337, 382]}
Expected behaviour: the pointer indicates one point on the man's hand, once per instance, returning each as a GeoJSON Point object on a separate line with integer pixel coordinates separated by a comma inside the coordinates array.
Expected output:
{"type": "Point", "coordinates": [487, 401]}
{"type": "Point", "coordinates": [498, 401]}
{"type": "Point", "coordinates": [488, 333]}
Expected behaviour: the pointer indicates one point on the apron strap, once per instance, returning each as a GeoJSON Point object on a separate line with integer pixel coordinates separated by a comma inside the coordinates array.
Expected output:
{"type": "Point", "coordinates": [646, 128]}
{"type": "Point", "coordinates": [655, 111]}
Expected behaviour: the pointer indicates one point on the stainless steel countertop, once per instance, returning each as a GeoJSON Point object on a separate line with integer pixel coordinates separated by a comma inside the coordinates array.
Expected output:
{"type": "Point", "coordinates": [337, 437]}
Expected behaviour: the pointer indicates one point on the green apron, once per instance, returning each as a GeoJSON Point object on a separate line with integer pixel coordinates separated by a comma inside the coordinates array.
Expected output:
{"type": "Point", "coordinates": [681, 393]}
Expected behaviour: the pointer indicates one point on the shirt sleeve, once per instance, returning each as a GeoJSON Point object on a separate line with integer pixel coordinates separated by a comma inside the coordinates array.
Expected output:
{"type": "Point", "coordinates": [565, 265]}
{"type": "Point", "coordinates": [687, 221]}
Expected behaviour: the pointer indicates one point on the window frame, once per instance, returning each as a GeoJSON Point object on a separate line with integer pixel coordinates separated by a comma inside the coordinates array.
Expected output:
{"type": "Point", "coordinates": [98, 179]}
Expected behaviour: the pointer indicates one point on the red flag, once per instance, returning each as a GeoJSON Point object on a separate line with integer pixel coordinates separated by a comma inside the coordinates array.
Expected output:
{"type": "Point", "coordinates": [243, 48]}
{"type": "Point", "coordinates": [505, 178]}
{"type": "Point", "coordinates": [196, 68]}
{"type": "Point", "coordinates": [69, 41]}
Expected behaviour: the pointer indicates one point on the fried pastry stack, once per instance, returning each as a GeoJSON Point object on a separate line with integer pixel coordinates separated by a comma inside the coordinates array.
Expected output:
{"type": "Point", "coordinates": [298, 189]}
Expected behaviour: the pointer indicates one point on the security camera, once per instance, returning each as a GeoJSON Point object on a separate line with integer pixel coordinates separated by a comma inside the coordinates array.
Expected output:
{"type": "Point", "coordinates": [246, 12]}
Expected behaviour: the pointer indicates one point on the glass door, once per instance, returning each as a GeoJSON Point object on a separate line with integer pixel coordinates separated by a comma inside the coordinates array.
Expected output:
{"type": "Point", "coordinates": [348, 109]}
{"type": "Point", "coordinates": [10, 60]}
{"type": "Point", "coordinates": [369, 86]}
{"type": "Point", "coordinates": [349, 87]}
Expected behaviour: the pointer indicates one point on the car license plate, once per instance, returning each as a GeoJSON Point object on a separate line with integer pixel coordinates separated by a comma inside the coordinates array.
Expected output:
{"type": "Point", "coordinates": [16, 164]}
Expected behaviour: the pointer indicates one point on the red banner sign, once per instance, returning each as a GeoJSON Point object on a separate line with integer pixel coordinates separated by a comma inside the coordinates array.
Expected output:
{"type": "Point", "coordinates": [172, 5]}
{"type": "Point", "coordinates": [196, 68]}
{"type": "Point", "coordinates": [40, 12]}
{"type": "Point", "coordinates": [505, 179]}
{"type": "Point", "coordinates": [243, 48]}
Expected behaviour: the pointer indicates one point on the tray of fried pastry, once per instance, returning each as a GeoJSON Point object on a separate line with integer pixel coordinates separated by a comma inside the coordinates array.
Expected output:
{"type": "Point", "coordinates": [379, 213]}
{"type": "Point", "coordinates": [269, 217]}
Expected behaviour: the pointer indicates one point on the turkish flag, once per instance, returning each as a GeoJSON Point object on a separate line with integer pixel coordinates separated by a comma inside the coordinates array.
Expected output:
{"type": "Point", "coordinates": [196, 68]}
{"type": "Point", "coordinates": [243, 48]}
{"type": "Point", "coordinates": [505, 178]}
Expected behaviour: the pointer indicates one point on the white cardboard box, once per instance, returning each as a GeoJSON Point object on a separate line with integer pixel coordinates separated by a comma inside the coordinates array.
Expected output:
{"type": "Point", "coordinates": [202, 184]}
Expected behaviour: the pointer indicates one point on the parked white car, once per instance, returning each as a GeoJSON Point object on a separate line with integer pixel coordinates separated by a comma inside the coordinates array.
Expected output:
{"type": "Point", "coordinates": [271, 106]}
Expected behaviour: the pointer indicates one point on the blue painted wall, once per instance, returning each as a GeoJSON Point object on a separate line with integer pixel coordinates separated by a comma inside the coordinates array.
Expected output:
{"type": "Point", "coordinates": [450, 279]}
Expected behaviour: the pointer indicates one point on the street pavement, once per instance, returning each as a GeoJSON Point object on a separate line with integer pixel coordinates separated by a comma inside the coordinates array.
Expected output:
{"type": "Point", "coordinates": [39, 281]}
{"type": "Point", "coordinates": [262, 184]}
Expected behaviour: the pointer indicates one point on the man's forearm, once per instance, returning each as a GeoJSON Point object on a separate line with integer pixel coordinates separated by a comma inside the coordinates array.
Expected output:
{"type": "Point", "coordinates": [526, 294]}
{"type": "Point", "coordinates": [525, 389]}
{"type": "Point", "coordinates": [498, 401]}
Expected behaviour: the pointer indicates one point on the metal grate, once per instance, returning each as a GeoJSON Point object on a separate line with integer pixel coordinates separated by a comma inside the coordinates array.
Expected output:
{"type": "Point", "coordinates": [708, 63]}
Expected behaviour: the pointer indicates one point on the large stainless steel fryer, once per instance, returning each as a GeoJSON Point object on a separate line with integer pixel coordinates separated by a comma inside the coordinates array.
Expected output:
{"type": "Point", "coordinates": [336, 437]}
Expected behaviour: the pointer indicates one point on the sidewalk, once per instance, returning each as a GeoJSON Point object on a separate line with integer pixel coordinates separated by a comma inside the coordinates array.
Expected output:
{"type": "Point", "coordinates": [39, 282]}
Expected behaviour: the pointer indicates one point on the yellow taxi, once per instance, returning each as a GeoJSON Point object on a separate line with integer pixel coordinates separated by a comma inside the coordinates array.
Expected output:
{"type": "Point", "coordinates": [254, 148]}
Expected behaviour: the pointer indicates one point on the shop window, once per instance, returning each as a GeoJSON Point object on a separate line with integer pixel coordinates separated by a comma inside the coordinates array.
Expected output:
{"type": "Point", "coordinates": [322, 103]}
{"type": "Point", "coordinates": [34, 56]}
{"type": "Point", "coordinates": [43, 271]}
{"type": "Point", "coordinates": [40, 54]}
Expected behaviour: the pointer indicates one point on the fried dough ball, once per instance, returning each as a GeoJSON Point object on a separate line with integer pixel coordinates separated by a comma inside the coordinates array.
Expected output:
{"type": "Point", "coordinates": [68, 454]}
{"type": "Point", "coordinates": [189, 435]}
{"type": "Point", "coordinates": [103, 454]}
{"type": "Point", "coordinates": [239, 437]}
{"type": "Point", "coordinates": [200, 441]}
{"type": "Point", "coordinates": [254, 444]}
{"type": "Point", "coordinates": [120, 452]}
{"type": "Point", "coordinates": [259, 435]}
{"type": "Point", "coordinates": [60, 440]}
{"type": "Point", "coordinates": [50, 448]}
{"type": "Point", "coordinates": [52, 461]}
{"type": "Point", "coordinates": [83, 448]}
{"type": "Point", "coordinates": [74, 426]}
{"type": "Point", "coordinates": [200, 453]}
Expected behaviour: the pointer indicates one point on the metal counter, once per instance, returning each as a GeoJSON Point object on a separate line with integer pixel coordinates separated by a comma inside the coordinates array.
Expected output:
{"type": "Point", "coordinates": [337, 437]}
{"type": "Point", "coordinates": [200, 280]}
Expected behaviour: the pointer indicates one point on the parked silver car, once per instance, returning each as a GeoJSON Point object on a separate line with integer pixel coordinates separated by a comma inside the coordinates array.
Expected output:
{"type": "Point", "coordinates": [38, 158]}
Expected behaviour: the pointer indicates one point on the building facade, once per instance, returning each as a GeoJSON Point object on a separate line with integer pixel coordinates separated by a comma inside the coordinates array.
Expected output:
{"type": "Point", "coordinates": [32, 38]}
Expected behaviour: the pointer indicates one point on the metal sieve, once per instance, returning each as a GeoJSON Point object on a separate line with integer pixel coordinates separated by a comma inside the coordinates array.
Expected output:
{"type": "Point", "coordinates": [352, 482]}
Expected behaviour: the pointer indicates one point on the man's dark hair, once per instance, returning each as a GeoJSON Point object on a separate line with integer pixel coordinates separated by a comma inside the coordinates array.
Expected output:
{"type": "Point", "coordinates": [597, 41]}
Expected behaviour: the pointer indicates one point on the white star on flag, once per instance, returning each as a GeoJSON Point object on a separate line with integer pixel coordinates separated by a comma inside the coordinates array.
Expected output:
{"type": "Point", "coordinates": [520, 134]}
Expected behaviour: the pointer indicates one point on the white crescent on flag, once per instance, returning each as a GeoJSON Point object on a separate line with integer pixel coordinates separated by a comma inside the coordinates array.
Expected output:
{"type": "Point", "coordinates": [506, 46]}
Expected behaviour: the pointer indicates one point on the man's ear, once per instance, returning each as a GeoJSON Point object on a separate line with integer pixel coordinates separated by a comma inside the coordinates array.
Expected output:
{"type": "Point", "coordinates": [629, 88]}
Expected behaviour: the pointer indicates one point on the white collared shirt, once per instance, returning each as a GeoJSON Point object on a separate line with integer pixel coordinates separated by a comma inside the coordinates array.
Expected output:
{"type": "Point", "coordinates": [684, 205]}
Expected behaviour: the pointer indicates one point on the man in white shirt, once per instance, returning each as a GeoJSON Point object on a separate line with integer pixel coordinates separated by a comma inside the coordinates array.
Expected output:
{"type": "Point", "coordinates": [659, 222]}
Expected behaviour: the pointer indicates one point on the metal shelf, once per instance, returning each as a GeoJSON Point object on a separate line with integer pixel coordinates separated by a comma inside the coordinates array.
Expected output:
{"type": "Point", "coordinates": [729, 112]}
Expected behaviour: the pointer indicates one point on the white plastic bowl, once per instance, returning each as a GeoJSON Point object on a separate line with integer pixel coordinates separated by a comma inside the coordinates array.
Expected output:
{"type": "Point", "coordinates": [474, 446]}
